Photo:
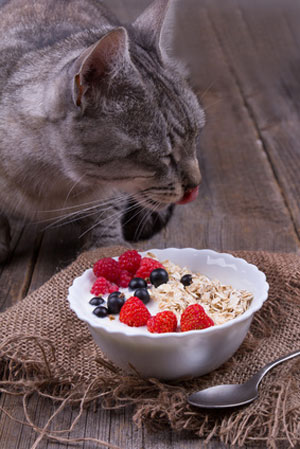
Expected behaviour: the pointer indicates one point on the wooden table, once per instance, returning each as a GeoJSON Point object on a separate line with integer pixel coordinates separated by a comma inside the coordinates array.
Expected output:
{"type": "Point", "coordinates": [245, 66]}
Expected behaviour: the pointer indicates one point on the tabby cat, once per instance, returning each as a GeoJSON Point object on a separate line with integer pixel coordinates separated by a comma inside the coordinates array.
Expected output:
{"type": "Point", "coordinates": [96, 119]}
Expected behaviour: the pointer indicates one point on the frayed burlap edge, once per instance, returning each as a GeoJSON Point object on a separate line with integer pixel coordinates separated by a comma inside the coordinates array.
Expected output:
{"type": "Point", "coordinates": [275, 417]}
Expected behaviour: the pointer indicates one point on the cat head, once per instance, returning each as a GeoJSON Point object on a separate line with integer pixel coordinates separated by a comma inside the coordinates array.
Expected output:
{"type": "Point", "coordinates": [134, 118]}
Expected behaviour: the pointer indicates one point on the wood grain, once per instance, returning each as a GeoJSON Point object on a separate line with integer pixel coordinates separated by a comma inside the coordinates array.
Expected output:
{"type": "Point", "coordinates": [266, 71]}
{"type": "Point", "coordinates": [245, 67]}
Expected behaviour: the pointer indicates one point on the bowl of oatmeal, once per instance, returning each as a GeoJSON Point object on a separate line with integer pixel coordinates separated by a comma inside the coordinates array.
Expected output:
{"type": "Point", "coordinates": [226, 290]}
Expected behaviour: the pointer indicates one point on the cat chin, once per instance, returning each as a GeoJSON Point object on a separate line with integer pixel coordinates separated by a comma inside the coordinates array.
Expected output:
{"type": "Point", "coordinates": [139, 223]}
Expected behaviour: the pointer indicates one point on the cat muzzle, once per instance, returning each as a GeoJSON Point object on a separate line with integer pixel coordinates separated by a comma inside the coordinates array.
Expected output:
{"type": "Point", "coordinates": [190, 195]}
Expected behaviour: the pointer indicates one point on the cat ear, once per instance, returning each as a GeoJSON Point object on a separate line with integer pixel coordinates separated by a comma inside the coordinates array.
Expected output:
{"type": "Point", "coordinates": [151, 23]}
{"type": "Point", "coordinates": [105, 57]}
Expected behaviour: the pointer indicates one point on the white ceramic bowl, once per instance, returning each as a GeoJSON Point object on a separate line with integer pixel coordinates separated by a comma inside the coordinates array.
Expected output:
{"type": "Point", "coordinates": [176, 355]}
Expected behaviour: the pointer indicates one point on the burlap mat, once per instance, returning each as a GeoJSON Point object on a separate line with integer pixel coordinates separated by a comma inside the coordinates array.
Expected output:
{"type": "Point", "coordinates": [46, 350]}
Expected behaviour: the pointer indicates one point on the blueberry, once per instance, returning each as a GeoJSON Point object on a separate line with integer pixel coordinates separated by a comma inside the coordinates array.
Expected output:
{"type": "Point", "coordinates": [97, 301]}
{"type": "Point", "coordinates": [159, 276]}
{"type": "Point", "coordinates": [186, 280]}
{"type": "Point", "coordinates": [143, 294]}
{"type": "Point", "coordinates": [101, 312]}
{"type": "Point", "coordinates": [137, 283]}
{"type": "Point", "coordinates": [117, 294]}
{"type": "Point", "coordinates": [115, 303]}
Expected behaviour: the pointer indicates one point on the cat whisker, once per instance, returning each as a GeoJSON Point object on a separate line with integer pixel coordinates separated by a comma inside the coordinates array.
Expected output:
{"type": "Point", "coordinates": [117, 215]}
{"type": "Point", "coordinates": [113, 218]}
{"type": "Point", "coordinates": [82, 214]}
{"type": "Point", "coordinates": [205, 109]}
{"type": "Point", "coordinates": [157, 198]}
{"type": "Point", "coordinates": [143, 222]}
{"type": "Point", "coordinates": [73, 187]}
{"type": "Point", "coordinates": [70, 220]}
{"type": "Point", "coordinates": [76, 206]}
{"type": "Point", "coordinates": [69, 207]}
{"type": "Point", "coordinates": [129, 209]}
{"type": "Point", "coordinates": [202, 94]}
{"type": "Point", "coordinates": [78, 215]}
{"type": "Point", "coordinates": [95, 225]}
{"type": "Point", "coordinates": [135, 206]}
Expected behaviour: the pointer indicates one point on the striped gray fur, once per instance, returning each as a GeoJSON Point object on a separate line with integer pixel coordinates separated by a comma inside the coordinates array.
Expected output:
{"type": "Point", "coordinates": [96, 121]}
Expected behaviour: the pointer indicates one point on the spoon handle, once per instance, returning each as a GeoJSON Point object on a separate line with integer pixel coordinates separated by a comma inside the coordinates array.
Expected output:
{"type": "Point", "coordinates": [260, 374]}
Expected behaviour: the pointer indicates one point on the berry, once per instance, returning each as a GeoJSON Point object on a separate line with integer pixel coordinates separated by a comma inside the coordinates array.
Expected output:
{"type": "Point", "coordinates": [96, 301]}
{"type": "Point", "coordinates": [186, 280]}
{"type": "Point", "coordinates": [115, 302]}
{"type": "Point", "coordinates": [119, 294]}
{"type": "Point", "coordinates": [137, 283]}
{"type": "Point", "coordinates": [112, 287]}
{"type": "Point", "coordinates": [130, 261]}
{"type": "Point", "coordinates": [124, 279]}
{"type": "Point", "coordinates": [99, 287]}
{"type": "Point", "coordinates": [142, 294]}
{"type": "Point", "coordinates": [107, 268]}
{"type": "Point", "coordinates": [159, 276]}
{"type": "Point", "coordinates": [162, 322]}
{"type": "Point", "coordinates": [101, 312]}
{"type": "Point", "coordinates": [134, 313]}
{"type": "Point", "coordinates": [194, 317]}
{"type": "Point", "coordinates": [102, 286]}
{"type": "Point", "coordinates": [147, 266]}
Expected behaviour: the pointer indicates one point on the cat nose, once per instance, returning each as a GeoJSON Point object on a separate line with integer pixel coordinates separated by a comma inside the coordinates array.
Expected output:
{"type": "Point", "coordinates": [191, 176]}
{"type": "Point", "coordinates": [192, 181]}
{"type": "Point", "coordinates": [193, 185]}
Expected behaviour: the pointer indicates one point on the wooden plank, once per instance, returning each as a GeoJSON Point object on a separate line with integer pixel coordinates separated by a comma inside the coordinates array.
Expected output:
{"type": "Point", "coordinates": [291, 13]}
{"type": "Point", "coordinates": [14, 283]}
{"type": "Point", "coordinates": [16, 272]}
{"type": "Point", "coordinates": [27, 271]}
{"type": "Point", "coordinates": [262, 53]}
{"type": "Point", "coordinates": [123, 433]}
{"type": "Point", "coordinates": [58, 249]}
{"type": "Point", "coordinates": [96, 425]}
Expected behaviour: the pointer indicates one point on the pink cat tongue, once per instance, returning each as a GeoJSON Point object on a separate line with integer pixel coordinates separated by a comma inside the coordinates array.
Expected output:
{"type": "Point", "coordinates": [189, 196]}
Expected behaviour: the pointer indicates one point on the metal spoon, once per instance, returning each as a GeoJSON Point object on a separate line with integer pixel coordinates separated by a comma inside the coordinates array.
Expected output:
{"type": "Point", "coordinates": [234, 395]}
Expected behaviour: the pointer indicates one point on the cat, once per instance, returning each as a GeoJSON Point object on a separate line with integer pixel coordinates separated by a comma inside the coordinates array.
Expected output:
{"type": "Point", "coordinates": [96, 120]}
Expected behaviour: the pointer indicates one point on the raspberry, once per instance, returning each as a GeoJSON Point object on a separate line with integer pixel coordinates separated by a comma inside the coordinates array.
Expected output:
{"type": "Point", "coordinates": [134, 313]}
{"type": "Point", "coordinates": [112, 287]}
{"type": "Point", "coordinates": [147, 266]}
{"type": "Point", "coordinates": [107, 268]}
{"type": "Point", "coordinates": [194, 317]}
{"type": "Point", "coordinates": [130, 261]}
{"type": "Point", "coordinates": [102, 286]}
{"type": "Point", "coordinates": [124, 279]}
{"type": "Point", "coordinates": [162, 322]}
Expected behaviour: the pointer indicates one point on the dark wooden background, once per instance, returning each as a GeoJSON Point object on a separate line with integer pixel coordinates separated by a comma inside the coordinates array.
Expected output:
{"type": "Point", "coordinates": [245, 66]}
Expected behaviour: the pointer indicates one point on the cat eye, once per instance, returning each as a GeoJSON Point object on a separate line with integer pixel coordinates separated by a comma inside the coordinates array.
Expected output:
{"type": "Point", "coordinates": [166, 160]}
{"type": "Point", "coordinates": [170, 140]}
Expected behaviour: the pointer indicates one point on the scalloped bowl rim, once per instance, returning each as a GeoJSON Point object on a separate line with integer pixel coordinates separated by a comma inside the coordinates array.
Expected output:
{"type": "Point", "coordinates": [249, 312]}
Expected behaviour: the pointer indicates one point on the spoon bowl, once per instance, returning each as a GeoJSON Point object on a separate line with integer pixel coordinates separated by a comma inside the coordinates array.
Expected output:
{"type": "Point", "coordinates": [234, 395]}
{"type": "Point", "coordinates": [221, 396]}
